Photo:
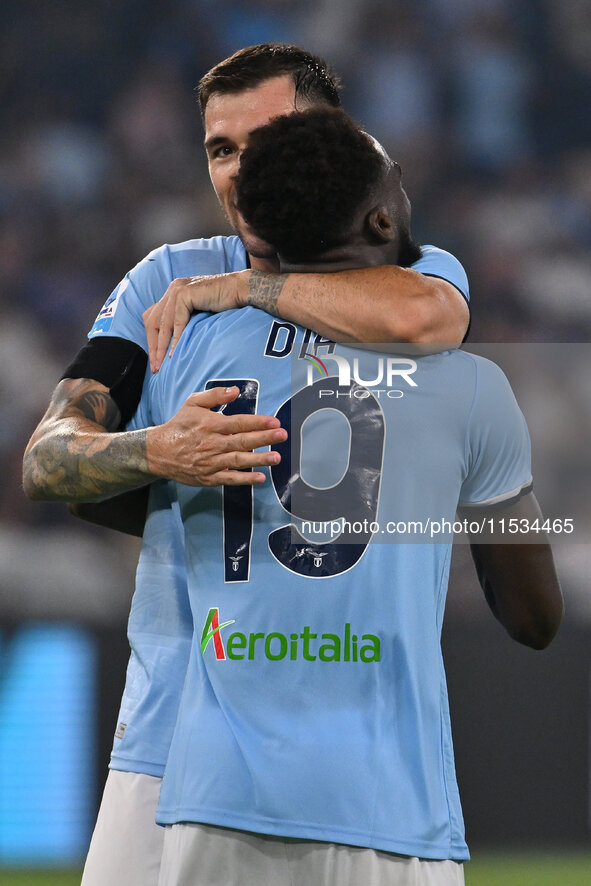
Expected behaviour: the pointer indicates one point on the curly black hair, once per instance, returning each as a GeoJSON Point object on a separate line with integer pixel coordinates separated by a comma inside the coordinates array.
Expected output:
{"type": "Point", "coordinates": [302, 179]}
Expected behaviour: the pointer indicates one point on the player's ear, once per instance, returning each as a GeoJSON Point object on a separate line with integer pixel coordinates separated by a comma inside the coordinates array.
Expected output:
{"type": "Point", "coordinates": [379, 225]}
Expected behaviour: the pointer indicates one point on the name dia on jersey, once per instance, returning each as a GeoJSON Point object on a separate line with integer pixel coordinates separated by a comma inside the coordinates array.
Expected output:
{"type": "Point", "coordinates": [308, 645]}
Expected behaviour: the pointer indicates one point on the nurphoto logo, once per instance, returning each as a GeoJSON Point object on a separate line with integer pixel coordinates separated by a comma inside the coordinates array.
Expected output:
{"type": "Point", "coordinates": [385, 371]}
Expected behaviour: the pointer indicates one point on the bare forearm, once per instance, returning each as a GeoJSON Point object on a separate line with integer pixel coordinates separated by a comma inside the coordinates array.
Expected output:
{"type": "Point", "coordinates": [74, 463]}
{"type": "Point", "coordinates": [522, 590]}
{"type": "Point", "coordinates": [384, 304]}
{"type": "Point", "coordinates": [519, 580]}
{"type": "Point", "coordinates": [73, 454]}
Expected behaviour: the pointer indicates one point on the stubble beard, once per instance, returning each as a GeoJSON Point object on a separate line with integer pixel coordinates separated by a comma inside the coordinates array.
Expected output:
{"type": "Point", "coordinates": [255, 246]}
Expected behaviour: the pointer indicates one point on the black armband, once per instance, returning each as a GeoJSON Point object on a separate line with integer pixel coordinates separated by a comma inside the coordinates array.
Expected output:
{"type": "Point", "coordinates": [116, 363]}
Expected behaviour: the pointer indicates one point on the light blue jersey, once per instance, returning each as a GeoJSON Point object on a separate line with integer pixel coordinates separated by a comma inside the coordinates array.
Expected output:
{"type": "Point", "coordinates": [160, 631]}
{"type": "Point", "coordinates": [144, 285]}
{"type": "Point", "coordinates": [315, 704]}
{"type": "Point", "coordinates": [160, 625]}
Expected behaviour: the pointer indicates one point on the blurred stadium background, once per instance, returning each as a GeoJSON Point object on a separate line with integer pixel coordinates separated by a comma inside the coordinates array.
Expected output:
{"type": "Point", "coordinates": [485, 103]}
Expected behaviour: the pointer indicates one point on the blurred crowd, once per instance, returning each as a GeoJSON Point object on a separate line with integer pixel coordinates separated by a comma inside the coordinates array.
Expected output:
{"type": "Point", "coordinates": [485, 103]}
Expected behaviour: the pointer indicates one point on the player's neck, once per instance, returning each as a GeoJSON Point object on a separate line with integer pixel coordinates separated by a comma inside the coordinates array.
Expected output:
{"type": "Point", "coordinates": [268, 265]}
{"type": "Point", "coordinates": [343, 258]}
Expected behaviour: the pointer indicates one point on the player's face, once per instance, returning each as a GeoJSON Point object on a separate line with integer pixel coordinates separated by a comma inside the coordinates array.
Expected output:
{"type": "Point", "coordinates": [229, 120]}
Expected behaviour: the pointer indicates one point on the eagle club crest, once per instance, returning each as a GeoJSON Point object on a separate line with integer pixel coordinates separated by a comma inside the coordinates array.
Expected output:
{"type": "Point", "coordinates": [316, 555]}
{"type": "Point", "coordinates": [235, 561]}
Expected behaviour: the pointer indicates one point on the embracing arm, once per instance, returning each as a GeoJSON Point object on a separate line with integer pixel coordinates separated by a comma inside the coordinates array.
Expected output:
{"type": "Point", "coordinates": [371, 305]}
{"type": "Point", "coordinates": [383, 304]}
{"type": "Point", "coordinates": [74, 454]}
{"type": "Point", "coordinates": [519, 580]}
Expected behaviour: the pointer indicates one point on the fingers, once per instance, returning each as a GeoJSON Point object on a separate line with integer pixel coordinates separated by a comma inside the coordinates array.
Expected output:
{"type": "Point", "coordinates": [233, 424]}
{"type": "Point", "coordinates": [184, 296]}
{"type": "Point", "coordinates": [203, 447]}
{"type": "Point", "coordinates": [245, 442]}
{"type": "Point", "coordinates": [238, 478]}
{"type": "Point", "coordinates": [213, 397]}
{"type": "Point", "coordinates": [239, 461]}
{"type": "Point", "coordinates": [166, 327]}
{"type": "Point", "coordinates": [161, 321]}
{"type": "Point", "coordinates": [235, 468]}
{"type": "Point", "coordinates": [151, 319]}
{"type": "Point", "coordinates": [177, 313]}
{"type": "Point", "coordinates": [182, 314]}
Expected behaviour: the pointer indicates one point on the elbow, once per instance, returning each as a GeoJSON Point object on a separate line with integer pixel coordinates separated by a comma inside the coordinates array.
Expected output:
{"type": "Point", "coordinates": [537, 632]}
{"type": "Point", "coordinates": [440, 317]}
{"type": "Point", "coordinates": [429, 326]}
{"type": "Point", "coordinates": [415, 325]}
{"type": "Point", "coordinates": [36, 481]}
{"type": "Point", "coordinates": [32, 494]}
{"type": "Point", "coordinates": [535, 639]}
{"type": "Point", "coordinates": [31, 489]}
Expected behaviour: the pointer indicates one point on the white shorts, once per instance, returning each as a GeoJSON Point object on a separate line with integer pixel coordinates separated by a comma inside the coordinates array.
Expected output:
{"type": "Point", "coordinates": [201, 855]}
{"type": "Point", "coordinates": [126, 846]}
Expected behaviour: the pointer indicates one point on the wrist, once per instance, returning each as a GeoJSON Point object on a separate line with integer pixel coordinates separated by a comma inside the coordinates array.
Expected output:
{"type": "Point", "coordinates": [264, 289]}
{"type": "Point", "coordinates": [242, 287]}
{"type": "Point", "coordinates": [156, 461]}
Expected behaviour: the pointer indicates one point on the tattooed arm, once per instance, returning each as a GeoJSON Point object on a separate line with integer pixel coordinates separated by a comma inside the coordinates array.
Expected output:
{"type": "Point", "coordinates": [75, 455]}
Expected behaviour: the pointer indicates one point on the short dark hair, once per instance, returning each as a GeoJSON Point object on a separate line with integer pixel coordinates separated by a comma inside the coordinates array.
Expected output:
{"type": "Point", "coordinates": [313, 80]}
{"type": "Point", "coordinates": [303, 177]}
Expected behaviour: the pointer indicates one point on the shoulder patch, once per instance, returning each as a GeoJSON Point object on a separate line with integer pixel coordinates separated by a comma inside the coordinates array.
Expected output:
{"type": "Point", "coordinates": [107, 312]}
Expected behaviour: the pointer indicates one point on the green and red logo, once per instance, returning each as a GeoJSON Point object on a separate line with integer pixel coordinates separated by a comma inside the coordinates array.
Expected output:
{"type": "Point", "coordinates": [211, 631]}
{"type": "Point", "coordinates": [344, 645]}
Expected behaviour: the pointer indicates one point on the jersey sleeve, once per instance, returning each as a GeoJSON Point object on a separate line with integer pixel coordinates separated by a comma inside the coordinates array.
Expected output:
{"type": "Point", "coordinates": [498, 448]}
{"type": "Point", "coordinates": [143, 286]}
{"type": "Point", "coordinates": [435, 262]}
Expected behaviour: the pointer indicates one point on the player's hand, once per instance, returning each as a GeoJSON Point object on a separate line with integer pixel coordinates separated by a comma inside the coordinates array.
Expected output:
{"type": "Point", "coordinates": [199, 447]}
{"type": "Point", "coordinates": [165, 320]}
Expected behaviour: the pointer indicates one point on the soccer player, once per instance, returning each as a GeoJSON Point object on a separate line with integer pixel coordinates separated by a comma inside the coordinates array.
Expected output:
{"type": "Point", "coordinates": [77, 453]}
{"type": "Point", "coordinates": [313, 741]}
